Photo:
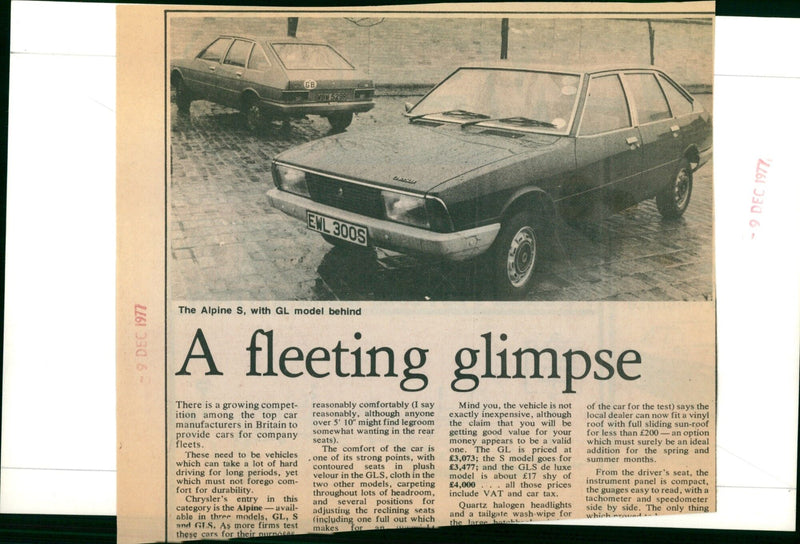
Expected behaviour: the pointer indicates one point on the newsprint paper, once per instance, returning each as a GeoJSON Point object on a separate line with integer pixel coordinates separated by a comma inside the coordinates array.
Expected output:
{"type": "Point", "coordinates": [280, 376]}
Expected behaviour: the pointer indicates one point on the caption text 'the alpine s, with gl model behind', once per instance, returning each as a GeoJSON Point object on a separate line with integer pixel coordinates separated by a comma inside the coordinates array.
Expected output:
{"type": "Point", "coordinates": [492, 155]}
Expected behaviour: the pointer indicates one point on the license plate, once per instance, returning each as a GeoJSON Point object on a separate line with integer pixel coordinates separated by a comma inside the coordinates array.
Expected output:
{"type": "Point", "coordinates": [331, 97]}
{"type": "Point", "coordinates": [355, 234]}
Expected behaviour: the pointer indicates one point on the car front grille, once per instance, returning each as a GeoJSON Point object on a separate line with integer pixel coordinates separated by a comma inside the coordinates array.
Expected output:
{"type": "Point", "coordinates": [345, 196]}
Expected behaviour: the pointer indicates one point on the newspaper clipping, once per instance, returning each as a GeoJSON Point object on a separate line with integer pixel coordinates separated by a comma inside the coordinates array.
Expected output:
{"type": "Point", "coordinates": [413, 267]}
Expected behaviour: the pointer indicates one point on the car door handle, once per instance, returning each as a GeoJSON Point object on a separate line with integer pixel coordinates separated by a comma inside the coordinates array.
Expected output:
{"type": "Point", "coordinates": [238, 74]}
{"type": "Point", "coordinates": [675, 128]}
{"type": "Point", "coordinates": [212, 68]}
{"type": "Point", "coordinates": [632, 141]}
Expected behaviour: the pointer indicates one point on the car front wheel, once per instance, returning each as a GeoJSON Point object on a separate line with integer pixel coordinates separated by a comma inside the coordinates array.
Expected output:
{"type": "Point", "coordinates": [673, 200]}
{"type": "Point", "coordinates": [514, 256]}
{"type": "Point", "coordinates": [340, 121]}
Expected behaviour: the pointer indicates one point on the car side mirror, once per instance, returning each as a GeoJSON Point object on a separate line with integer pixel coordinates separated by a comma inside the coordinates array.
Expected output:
{"type": "Point", "coordinates": [408, 106]}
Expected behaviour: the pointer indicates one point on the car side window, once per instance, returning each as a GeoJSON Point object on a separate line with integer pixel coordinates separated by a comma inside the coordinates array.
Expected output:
{"type": "Point", "coordinates": [214, 52]}
{"type": "Point", "coordinates": [606, 108]}
{"type": "Point", "coordinates": [258, 59]}
{"type": "Point", "coordinates": [651, 105]}
{"type": "Point", "coordinates": [677, 100]}
{"type": "Point", "coordinates": [238, 53]}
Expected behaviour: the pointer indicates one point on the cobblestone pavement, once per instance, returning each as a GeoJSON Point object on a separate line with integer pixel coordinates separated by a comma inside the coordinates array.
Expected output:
{"type": "Point", "coordinates": [225, 241]}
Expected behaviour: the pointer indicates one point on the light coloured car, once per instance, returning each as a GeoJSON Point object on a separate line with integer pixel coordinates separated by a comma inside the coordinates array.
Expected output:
{"type": "Point", "coordinates": [273, 79]}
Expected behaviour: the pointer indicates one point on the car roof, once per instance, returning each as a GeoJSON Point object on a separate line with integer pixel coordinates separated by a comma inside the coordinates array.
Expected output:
{"type": "Point", "coordinates": [273, 39]}
{"type": "Point", "coordinates": [564, 69]}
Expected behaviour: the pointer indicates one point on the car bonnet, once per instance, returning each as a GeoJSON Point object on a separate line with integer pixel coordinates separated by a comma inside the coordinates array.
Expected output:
{"type": "Point", "coordinates": [412, 157]}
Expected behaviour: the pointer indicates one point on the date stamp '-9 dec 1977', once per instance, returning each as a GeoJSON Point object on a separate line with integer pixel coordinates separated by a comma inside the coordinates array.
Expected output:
{"type": "Point", "coordinates": [757, 198]}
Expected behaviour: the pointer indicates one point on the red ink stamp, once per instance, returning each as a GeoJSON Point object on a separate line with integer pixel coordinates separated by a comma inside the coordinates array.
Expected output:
{"type": "Point", "coordinates": [757, 198]}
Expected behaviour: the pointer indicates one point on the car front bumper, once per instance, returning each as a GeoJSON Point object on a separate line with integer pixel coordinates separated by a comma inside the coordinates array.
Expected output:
{"type": "Point", "coordinates": [315, 108]}
{"type": "Point", "coordinates": [453, 246]}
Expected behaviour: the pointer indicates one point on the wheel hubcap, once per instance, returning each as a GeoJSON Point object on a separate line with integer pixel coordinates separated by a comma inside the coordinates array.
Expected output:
{"type": "Point", "coordinates": [681, 188]}
{"type": "Point", "coordinates": [521, 257]}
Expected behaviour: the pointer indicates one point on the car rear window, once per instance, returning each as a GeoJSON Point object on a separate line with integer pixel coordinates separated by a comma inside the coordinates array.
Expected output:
{"type": "Point", "coordinates": [308, 56]}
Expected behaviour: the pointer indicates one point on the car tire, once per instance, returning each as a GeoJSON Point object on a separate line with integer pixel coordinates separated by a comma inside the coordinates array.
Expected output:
{"type": "Point", "coordinates": [252, 115]}
{"type": "Point", "coordinates": [182, 98]}
{"type": "Point", "coordinates": [514, 255]}
{"type": "Point", "coordinates": [673, 200]}
{"type": "Point", "coordinates": [340, 121]}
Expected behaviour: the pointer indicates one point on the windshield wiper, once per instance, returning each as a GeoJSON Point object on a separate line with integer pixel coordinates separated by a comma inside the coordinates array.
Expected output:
{"type": "Point", "coordinates": [519, 121]}
{"type": "Point", "coordinates": [452, 113]}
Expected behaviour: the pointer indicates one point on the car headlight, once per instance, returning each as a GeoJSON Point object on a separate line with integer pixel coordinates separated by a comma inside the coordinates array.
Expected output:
{"type": "Point", "coordinates": [291, 179]}
{"type": "Point", "coordinates": [406, 209]}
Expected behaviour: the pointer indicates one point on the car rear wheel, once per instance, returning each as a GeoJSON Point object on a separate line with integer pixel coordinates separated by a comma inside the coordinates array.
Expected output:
{"type": "Point", "coordinates": [252, 115]}
{"type": "Point", "coordinates": [182, 99]}
{"type": "Point", "coordinates": [674, 199]}
{"type": "Point", "coordinates": [514, 256]}
{"type": "Point", "coordinates": [340, 121]}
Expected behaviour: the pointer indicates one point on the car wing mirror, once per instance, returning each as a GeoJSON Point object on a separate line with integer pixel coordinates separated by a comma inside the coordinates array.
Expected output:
{"type": "Point", "coordinates": [408, 106]}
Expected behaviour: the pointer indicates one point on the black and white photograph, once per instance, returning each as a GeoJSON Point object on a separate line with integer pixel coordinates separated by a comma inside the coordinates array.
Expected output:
{"type": "Point", "coordinates": [440, 157]}
{"type": "Point", "coordinates": [264, 225]}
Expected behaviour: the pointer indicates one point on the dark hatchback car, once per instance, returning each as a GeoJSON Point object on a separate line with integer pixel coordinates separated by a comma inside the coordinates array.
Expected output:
{"type": "Point", "coordinates": [490, 156]}
{"type": "Point", "coordinates": [273, 79]}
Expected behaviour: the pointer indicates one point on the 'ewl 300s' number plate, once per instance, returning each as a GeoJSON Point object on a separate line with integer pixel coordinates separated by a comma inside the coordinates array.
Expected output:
{"type": "Point", "coordinates": [337, 228]}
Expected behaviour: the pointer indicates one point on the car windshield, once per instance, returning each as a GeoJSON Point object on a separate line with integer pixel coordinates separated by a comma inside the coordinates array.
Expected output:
{"type": "Point", "coordinates": [541, 101]}
{"type": "Point", "coordinates": [310, 56]}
